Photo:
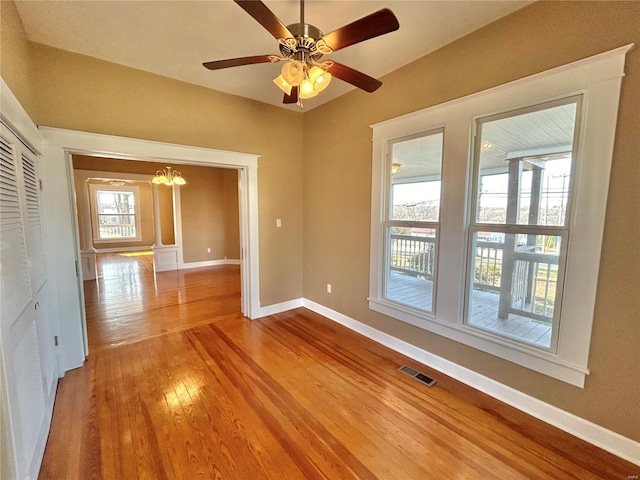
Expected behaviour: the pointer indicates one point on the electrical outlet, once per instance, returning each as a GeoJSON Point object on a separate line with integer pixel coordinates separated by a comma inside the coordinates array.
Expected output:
{"type": "Point", "coordinates": [278, 223]}
{"type": "Point", "coordinates": [328, 288]}
{"type": "Point", "coordinates": [208, 249]}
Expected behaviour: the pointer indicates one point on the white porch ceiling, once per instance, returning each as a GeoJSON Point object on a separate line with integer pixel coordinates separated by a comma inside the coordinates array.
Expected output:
{"type": "Point", "coordinates": [174, 38]}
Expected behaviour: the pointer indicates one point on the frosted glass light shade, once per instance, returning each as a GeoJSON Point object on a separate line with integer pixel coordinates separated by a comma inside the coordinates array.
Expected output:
{"type": "Point", "coordinates": [293, 72]}
{"type": "Point", "coordinates": [320, 78]}
{"type": "Point", "coordinates": [306, 89]}
{"type": "Point", "coordinates": [159, 179]}
{"type": "Point", "coordinates": [283, 84]}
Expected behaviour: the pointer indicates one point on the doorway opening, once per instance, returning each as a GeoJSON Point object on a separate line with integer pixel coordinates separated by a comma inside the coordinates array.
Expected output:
{"type": "Point", "coordinates": [128, 226]}
{"type": "Point", "coordinates": [63, 144]}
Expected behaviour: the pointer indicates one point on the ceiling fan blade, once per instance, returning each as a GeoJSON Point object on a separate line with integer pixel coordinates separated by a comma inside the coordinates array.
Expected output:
{"type": "Point", "coordinates": [293, 98]}
{"type": "Point", "coordinates": [265, 17]}
{"type": "Point", "coordinates": [237, 62]}
{"type": "Point", "coordinates": [378, 23]}
{"type": "Point", "coordinates": [354, 77]}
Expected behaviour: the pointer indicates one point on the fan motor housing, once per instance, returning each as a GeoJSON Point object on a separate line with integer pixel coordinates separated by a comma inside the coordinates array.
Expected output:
{"type": "Point", "coordinates": [304, 30]}
{"type": "Point", "coordinates": [306, 36]}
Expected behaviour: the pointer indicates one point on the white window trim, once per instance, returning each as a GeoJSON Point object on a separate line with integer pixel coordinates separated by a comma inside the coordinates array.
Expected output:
{"type": "Point", "coordinates": [598, 79]}
{"type": "Point", "coordinates": [93, 189]}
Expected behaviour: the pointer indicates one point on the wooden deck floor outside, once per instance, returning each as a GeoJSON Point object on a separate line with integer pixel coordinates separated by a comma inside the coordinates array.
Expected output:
{"type": "Point", "coordinates": [292, 396]}
{"type": "Point", "coordinates": [417, 292]}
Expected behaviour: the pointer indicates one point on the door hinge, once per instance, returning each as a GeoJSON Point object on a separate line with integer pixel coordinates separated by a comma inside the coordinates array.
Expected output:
{"type": "Point", "coordinates": [55, 340]}
{"type": "Point", "coordinates": [40, 182]}
{"type": "Point", "coordinates": [77, 273]}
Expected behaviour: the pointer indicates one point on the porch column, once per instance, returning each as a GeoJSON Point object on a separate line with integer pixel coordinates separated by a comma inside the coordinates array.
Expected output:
{"type": "Point", "coordinates": [508, 254]}
{"type": "Point", "coordinates": [534, 212]}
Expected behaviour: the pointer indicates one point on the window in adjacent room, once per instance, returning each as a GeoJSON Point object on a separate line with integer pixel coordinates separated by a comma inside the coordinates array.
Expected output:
{"type": "Point", "coordinates": [115, 213]}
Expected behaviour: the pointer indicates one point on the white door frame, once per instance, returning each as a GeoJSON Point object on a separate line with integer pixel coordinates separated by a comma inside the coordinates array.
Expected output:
{"type": "Point", "coordinates": [65, 143]}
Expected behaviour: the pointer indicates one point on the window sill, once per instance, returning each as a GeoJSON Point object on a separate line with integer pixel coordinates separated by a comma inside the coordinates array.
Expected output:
{"type": "Point", "coordinates": [118, 240]}
{"type": "Point", "coordinates": [539, 360]}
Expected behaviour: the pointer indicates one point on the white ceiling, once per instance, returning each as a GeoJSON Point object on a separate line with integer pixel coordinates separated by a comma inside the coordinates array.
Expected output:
{"type": "Point", "coordinates": [174, 38]}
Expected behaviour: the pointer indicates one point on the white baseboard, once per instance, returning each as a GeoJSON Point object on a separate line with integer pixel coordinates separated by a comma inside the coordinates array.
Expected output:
{"type": "Point", "coordinates": [206, 263]}
{"type": "Point", "coordinates": [210, 263]}
{"type": "Point", "coordinates": [124, 249]}
{"type": "Point", "coordinates": [233, 261]}
{"type": "Point", "coordinates": [610, 441]}
{"type": "Point", "coordinates": [278, 308]}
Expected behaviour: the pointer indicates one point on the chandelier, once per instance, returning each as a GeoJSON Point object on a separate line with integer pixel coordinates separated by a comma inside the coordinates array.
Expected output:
{"type": "Point", "coordinates": [169, 177]}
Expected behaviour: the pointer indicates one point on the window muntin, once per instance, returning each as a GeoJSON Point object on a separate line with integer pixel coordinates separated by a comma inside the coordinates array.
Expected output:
{"type": "Point", "coordinates": [523, 166]}
{"type": "Point", "coordinates": [413, 211]}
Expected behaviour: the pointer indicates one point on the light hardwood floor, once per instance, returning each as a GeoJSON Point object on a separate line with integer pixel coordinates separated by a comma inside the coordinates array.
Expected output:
{"type": "Point", "coordinates": [295, 396]}
{"type": "Point", "coordinates": [128, 302]}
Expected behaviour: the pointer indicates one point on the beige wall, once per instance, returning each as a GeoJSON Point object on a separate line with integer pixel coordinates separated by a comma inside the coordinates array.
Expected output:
{"type": "Point", "coordinates": [231, 214]}
{"type": "Point", "coordinates": [82, 93]}
{"type": "Point", "coordinates": [202, 214]}
{"type": "Point", "coordinates": [337, 188]}
{"type": "Point", "coordinates": [15, 56]}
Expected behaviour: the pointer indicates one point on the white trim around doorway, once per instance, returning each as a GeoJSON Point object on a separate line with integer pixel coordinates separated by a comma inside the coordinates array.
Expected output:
{"type": "Point", "coordinates": [69, 142]}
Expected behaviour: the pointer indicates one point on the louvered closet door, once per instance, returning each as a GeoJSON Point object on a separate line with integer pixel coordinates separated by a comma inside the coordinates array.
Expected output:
{"type": "Point", "coordinates": [16, 288]}
{"type": "Point", "coordinates": [22, 275]}
{"type": "Point", "coordinates": [32, 218]}
{"type": "Point", "coordinates": [33, 222]}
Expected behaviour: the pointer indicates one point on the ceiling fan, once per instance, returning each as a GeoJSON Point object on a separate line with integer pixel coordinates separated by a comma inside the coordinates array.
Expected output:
{"type": "Point", "coordinates": [302, 46]}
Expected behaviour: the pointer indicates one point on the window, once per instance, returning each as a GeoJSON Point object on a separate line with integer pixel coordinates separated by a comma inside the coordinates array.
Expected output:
{"type": "Point", "coordinates": [115, 213]}
{"type": "Point", "coordinates": [522, 183]}
{"type": "Point", "coordinates": [414, 165]}
{"type": "Point", "coordinates": [488, 228]}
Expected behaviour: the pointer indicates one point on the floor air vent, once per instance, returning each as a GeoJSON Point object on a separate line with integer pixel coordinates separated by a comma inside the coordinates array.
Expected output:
{"type": "Point", "coordinates": [421, 377]}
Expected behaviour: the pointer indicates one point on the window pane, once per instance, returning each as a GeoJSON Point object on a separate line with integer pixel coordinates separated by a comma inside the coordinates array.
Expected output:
{"type": "Point", "coordinates": [525, 167]}
{"type": "Point", "coordinates": [117, 226]}
{"type": "Point", "coordinates": [411, 256]}
{"type": "Point", "coordinates": [515, 285]}
{"type": "Point", "coordinates": [415, 178]}
{"type": "Point", "coordinates": [115, 202]}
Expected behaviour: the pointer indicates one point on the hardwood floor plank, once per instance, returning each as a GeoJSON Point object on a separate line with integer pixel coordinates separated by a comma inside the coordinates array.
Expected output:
{"type": "Point", "coordinates": [197, 391]}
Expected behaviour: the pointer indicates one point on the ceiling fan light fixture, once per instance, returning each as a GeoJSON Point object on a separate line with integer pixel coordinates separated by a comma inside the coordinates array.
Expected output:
{"type": "Point", "coordinates": [293, 72]}
{"type": "Point", "coordinates": [302, 45]}
{"type": "Point", "coordinates": [320, 78]}
{"type": "Point", "coordinates": [307, 89]}
{"type": "Point", "coordinates": [283, 84]}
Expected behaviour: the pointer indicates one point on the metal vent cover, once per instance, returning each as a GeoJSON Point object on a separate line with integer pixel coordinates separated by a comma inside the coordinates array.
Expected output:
{"type": "Point", "coordinates": [421, 377]}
